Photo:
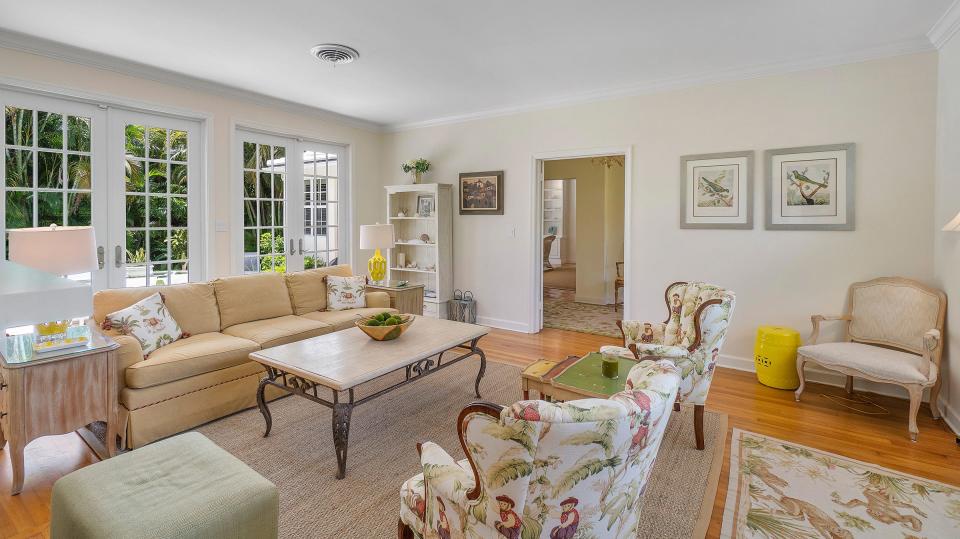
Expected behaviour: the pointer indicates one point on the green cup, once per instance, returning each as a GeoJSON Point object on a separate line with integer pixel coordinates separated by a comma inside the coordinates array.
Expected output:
{"type": "Point", "coordinates": [610, 366]}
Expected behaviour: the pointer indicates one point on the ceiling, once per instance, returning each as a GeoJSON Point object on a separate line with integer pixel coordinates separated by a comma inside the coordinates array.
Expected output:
{"type": "Point", "coordinates": [429, 60]}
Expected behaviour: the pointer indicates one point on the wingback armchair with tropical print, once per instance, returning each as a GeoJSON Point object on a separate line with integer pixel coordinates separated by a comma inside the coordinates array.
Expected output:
{"type": "Point", "coordinates": [691, 337]}
{"type": "Point", "coordinates": [545, 470]}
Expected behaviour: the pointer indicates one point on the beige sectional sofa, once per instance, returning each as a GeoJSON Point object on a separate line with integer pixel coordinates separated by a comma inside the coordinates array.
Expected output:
{"type": "Point", "coordinates": [209, 375]}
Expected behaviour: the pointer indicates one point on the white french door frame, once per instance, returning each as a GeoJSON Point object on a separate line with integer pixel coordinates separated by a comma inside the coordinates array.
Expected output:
{"type": "Point", "coordinates": [117, 120]}
{"type": "Point", "coordinates": [98, 164]}
{"type": "Point", "coordinates": [293, 193]}
{"type": "Point", "coordinates": [105, 102]}
{"type": "Point", "coordinates": [536, 193]}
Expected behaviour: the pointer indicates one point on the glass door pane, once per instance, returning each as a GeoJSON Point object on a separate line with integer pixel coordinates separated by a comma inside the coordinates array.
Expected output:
{"type": "Point", "coordinates": [157, 231]}
{"type": "Point", "coordinates": [322, 202]}
{"type": "Point", "coordinates": [51, 154]}
{"type": "Point", "coordinates": [265, 183]}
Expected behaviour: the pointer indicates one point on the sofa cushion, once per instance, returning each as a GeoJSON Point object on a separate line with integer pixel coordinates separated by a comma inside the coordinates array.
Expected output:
{"type": "Point", "coordinates": [344, 319]}
{"type": "Point", "coordinates": [280, 330]}
{"type": "Point", "coordinates": [346, 292]}
{"type": "Point", "coordinates": [874, 361]}
{"type": "Point", "coordinates": [193, 306]}
{"type": "Point", "coordinates": [308, 289]}
{"type": "Point", "coordinates": [136, 398]}
{"type": "Point", "coordinates": [198, 354]}
{"type": "Point", "coordinates": [251, 297]}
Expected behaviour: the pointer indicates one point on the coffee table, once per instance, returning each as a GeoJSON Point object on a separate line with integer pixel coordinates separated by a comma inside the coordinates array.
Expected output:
{"type": "Point", "coordinates": [573, 378]}
{"type": "Point", "coordinates": [338, 362]}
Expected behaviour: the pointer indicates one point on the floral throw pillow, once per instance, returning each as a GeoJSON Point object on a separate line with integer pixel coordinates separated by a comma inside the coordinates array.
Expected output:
{"type": "Point", "coordinates": [346, 292]}
{"type": "Point", "coordinates": [148, 321]}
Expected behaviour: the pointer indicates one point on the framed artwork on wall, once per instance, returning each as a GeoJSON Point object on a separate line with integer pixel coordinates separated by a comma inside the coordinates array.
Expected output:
{"type": "Point", "coordinates": [717, 190]}
{"type": "Point", "coordinates": [810, 188]}
{"type": "Point", "coordinates": [481, 193]}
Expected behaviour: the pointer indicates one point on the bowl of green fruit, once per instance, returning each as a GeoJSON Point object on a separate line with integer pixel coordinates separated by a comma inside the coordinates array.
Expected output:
{"type": "Point", "coordinates": [385, 326]}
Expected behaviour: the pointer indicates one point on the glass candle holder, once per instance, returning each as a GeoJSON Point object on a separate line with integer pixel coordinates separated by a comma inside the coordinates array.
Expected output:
{"type": "Point", "coordinates": [610, 366]}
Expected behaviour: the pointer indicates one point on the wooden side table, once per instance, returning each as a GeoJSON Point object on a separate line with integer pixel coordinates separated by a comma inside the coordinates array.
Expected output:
{"type": "Point", "coordinates": [406, 299]}
{"type": "Point", "coordinates": [56, 392]}
{"type": "Point", "coordinates": [571, 379]}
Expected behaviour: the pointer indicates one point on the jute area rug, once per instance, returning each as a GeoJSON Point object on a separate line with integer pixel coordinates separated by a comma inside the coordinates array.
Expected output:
{"type": "Point", "coordinates": [784, 490]}
{"type": "Point", "coordinates": [298, 456]}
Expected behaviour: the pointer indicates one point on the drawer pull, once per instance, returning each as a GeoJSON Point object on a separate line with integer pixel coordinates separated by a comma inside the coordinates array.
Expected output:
{"type": "Point", "coordinates": [2, 415]}
{"type": "Point", "coordinates": [3, 386]}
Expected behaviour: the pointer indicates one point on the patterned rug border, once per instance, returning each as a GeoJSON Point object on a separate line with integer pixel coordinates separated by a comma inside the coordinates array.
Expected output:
{"type": "Point", "coordinates": [733, 483]}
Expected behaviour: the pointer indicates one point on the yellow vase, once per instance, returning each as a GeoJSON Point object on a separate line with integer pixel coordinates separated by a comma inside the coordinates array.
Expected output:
{"type": "Point", "coordinates": [377, 266]}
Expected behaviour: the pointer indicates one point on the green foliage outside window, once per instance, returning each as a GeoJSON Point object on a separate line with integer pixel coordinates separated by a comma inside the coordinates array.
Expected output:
{"type": "Point", "coordinates": [278, 262]}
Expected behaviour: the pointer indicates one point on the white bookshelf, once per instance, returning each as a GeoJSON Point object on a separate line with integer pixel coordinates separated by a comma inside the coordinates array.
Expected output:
{"type": "Point", "coordinates": [553, 215]}
{"type": "Point", "coordinates": [435, 258]}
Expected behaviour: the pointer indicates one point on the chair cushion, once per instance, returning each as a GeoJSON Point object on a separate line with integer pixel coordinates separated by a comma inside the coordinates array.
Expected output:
{"type": "Point", "coordinates": [280, 330]}
{"type": "Point", "coordinates": [344, 319]}
{"type": "Point", "coordinates": [198, 354]}
{"type": "Point", "coordinates": [184, 486]}
{"type": "Point", "coordinates": [308, 289]}
{"type": "Point", "coordinates": [252, 297]}
{"type": "Point", "coordinates": [873, 361]}
{"type": "Point", "coordinates": [193, 305]}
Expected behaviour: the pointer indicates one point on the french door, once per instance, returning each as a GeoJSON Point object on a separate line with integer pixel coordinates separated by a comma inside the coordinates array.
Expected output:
{"type": "Point", "coordinates": [54, 168]}
{"type": "Point", "coordinates": [134, 177]}
{"type": "Point", "coordinates": [155, 225]}
{"type": "Point", "coordinates": [293, 203]}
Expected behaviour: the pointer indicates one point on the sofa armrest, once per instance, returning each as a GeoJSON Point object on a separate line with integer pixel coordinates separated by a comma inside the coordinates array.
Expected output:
{"type": "Point", "coordinates": [129, 353]}
{"type": "Point", "coordinates": [378, 299]}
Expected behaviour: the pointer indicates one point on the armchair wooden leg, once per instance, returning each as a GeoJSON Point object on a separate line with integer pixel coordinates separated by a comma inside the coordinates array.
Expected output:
{"type": "Point", "coordinates": [698, 424]}
{"type": "Point", "coordinates": [676, 406]}
{"type": "Point", "coordinates": [916, 396]}
{"type": "Point", "coordinates": [403, 531]}
{"type": "Point", "coordinates": [803, 382]}
{"type": "Point", "coordinates": [934, 396]}
{"type": "Point", "coordinates": [848, 386]}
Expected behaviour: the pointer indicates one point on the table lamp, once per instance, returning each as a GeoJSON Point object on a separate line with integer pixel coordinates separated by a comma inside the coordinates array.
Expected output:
{"type": "Point", "coordinates": [376, 237]}
{"type": "Point", "coordinates": [58, 250]}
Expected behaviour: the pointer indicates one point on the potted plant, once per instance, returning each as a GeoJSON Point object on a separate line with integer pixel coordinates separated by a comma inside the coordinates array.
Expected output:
{"type": "Point", "coordinates": [417, 167]}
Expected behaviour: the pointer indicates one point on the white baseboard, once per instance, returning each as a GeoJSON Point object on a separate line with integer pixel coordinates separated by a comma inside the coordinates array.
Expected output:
{"type": "Point", "coordinates": [830, 378]}
{"type": "Point", "coordinates": [500, 323]}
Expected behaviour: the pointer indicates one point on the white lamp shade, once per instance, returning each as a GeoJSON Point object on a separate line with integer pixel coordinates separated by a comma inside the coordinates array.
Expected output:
{"type": "Point", "coordinates": [64, 250]}
{"type": "Point", "coordinates": [953, 225]}
{"type": "Point", "coordinates": [28, 296]}
{"type": "Point", "coordinates": [376, 236]}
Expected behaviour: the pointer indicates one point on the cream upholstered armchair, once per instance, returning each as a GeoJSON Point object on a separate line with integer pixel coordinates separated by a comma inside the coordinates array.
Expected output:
{"type": "Point", "coordinates": [894, 335]}
{"type": "Point", "coordinates": [691, 337]}
{"type": "Point", "coordinates": [545, 470]}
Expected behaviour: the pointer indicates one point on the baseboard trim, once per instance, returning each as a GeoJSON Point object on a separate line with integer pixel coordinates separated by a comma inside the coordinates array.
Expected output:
{"type": "Point", "coordinates": [831, 378]}
{"type": "Point", "coordinates": [500, 323]}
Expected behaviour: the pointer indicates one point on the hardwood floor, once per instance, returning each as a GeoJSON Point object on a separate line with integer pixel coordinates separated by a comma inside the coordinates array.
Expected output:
{"type": "Point", "coordinates": [816, 422]}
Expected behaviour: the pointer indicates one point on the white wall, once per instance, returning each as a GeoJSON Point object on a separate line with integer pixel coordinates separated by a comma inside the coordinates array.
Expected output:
{"type": "Point", "coordinates": [947, 244]}
{"type": "Point", "coordinates": [223, 111]}
{"type": "Point", "coordinates": [886, 107]}
{"type": "Point", "coordinates": [568, 245]}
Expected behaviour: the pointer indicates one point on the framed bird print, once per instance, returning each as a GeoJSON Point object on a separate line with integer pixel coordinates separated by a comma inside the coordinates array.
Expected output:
{"type": "Point", "coordinates": [717, 190]}
{"type": "Point", "coordinates": [810, 188]}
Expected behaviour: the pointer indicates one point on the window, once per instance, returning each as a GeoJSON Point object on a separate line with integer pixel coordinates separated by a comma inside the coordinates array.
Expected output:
{"type": "Point", "coordinates": [272, 238]}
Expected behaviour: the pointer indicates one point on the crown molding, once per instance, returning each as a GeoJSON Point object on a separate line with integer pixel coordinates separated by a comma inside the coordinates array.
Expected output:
{"type": "Point", "coordinates": [946, 26]}
{"type": "Point", "coordinates": [76, 55]}
{"type": "Point", "coordinates": [921, 44]}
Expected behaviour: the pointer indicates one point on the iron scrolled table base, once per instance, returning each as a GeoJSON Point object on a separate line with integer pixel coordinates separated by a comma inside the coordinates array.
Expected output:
{"type": "Point", "coordinates": [343, 409]}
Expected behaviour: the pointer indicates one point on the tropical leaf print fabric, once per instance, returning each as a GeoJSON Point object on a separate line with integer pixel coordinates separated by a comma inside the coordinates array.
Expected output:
{"type": "Point", "coordinates": [571, 470]}
{"type": "Point", "coordinates": [148, 321]}
{"type": "Point", "coordinates": [673, 339]}
{"type": "Point", "coordinates": [783, 490]}
{"type": "Point", "coordinates": [346, 292]}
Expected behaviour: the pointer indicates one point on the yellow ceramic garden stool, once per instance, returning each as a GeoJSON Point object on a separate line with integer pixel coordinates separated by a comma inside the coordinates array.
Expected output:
{"type": "Point", "coordinates": [775, 357]}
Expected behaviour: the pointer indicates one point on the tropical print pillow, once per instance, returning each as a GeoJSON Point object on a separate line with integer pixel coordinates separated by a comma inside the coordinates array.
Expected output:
{"type": "Point", "coordinates": [346, 292]}
{"type": "Point", "coordinates": [148, 321]}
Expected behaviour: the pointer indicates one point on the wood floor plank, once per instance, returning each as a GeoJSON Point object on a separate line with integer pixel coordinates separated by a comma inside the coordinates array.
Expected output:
{"type": "Point", "coordinates": [816, 422]}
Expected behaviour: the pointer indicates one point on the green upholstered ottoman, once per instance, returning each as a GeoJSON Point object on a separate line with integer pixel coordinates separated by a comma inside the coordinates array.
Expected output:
{"type": "Point", "coordinates": [182, 487]}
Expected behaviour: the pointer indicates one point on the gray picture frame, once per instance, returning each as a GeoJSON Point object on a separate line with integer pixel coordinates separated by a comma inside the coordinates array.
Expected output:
{"type": "Point", "coordinates": [850, 149]}
{"type": "Point", "coordinates": [481, 211]}
{"type": "Point", "coordinates": [746, 191]}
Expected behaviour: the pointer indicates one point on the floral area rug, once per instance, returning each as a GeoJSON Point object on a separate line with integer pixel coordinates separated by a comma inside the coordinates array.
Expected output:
{"type": "Point", "coordinates": [781, 490]}
{"type": "Point", "coordinates": [582, 317]}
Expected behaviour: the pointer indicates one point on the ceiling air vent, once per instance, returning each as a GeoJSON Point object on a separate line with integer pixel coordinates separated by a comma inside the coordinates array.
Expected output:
{"type": "Point", "coordinates": [335, 53]}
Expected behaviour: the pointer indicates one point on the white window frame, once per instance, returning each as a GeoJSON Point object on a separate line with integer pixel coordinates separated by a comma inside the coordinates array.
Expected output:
{"type": "Point", "coordinates": [293, 194]}
{"type": "Point", "coordinates": [39, 91]}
